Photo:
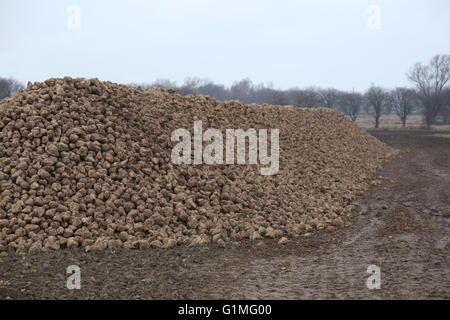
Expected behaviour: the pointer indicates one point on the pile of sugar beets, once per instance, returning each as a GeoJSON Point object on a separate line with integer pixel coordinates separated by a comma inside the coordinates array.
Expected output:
{"type": "Point", "coordinates": [85, 163]}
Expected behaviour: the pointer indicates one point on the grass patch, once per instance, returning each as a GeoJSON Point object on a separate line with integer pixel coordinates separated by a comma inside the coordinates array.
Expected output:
{"type": "Point", "coordinates": [204, 249]}
{"type": "Point", "coordinates": [442, 135]}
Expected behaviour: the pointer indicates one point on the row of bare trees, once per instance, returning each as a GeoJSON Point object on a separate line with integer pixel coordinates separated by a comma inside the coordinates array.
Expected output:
{"type": "Point", "coordinates": [430, 95]}
{"type": "Point", "coordinates": [401, 101]}
{"type": "Point", "coordinates": [376, 101]}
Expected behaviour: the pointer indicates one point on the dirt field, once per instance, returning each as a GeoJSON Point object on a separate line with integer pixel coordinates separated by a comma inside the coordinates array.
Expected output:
{"type": "Point", "coordinates": [402, 226]}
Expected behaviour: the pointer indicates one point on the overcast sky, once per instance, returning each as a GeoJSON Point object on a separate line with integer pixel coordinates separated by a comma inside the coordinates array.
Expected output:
{"type": "Point", "coordinates": [329, 43]}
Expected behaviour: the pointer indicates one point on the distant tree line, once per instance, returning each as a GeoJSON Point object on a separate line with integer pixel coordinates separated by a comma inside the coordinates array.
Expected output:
{"type": "Point", "coordinates": [429, 96]}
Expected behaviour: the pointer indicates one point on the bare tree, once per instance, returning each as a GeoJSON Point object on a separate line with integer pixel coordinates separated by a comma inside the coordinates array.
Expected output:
{"type": "Point", "coordinates": [9, 86]}
{"type": "Point", "coordinates": [304, 98]}
{"type": "Point", "coordinates": [164, 83]}
{"type": "Point", "coordinates": [376, 99]}
{"type": "Point", "coordinates": [267, 94]}
{"type": "Point", "coordinates": [213, 90]}
{"type": "Point", "coordinates": [278, 97]}
{"type": "Point", "coordinates": [403, 101]}
{"type": "Point", "coordinates": [350, 104]}
{"type": "Point", "coordinates": [431, 80]}
{"type": "Point", "coordinates": [189, 86]}
{"type": "Point", "coordinates": [329, 97]}
{"type": "Point", "coordinates": [142, 85]}
{"type": "Point", "coordinates": [242, 90]}
{"type": "Point", "coordinates": [4, 88]}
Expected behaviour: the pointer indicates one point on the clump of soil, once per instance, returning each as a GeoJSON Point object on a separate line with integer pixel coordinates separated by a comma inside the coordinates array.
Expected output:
{"type": "Point", "coordinates": [85, 163]}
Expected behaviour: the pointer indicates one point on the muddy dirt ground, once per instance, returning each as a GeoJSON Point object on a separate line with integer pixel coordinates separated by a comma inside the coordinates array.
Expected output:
{"type": "Point", "coordinates": [401, 226]}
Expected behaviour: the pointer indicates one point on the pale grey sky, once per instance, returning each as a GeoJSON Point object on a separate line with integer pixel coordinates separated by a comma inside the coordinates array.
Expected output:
{"type": "Point", "coordinates": [329, 43]}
